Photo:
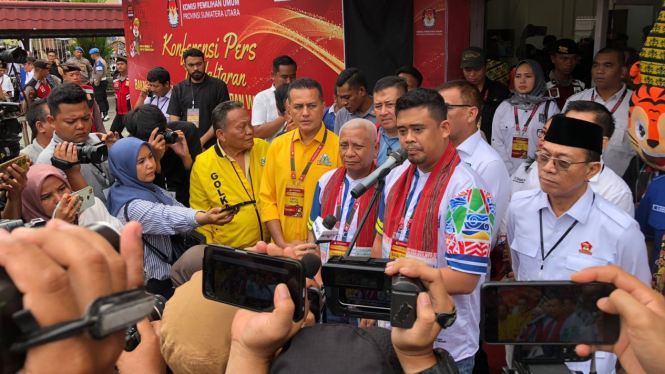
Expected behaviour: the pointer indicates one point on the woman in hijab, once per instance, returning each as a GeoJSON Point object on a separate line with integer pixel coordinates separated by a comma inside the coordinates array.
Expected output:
{"type": "Point", "coordinates": [47, 191]}
{"type": "Point", "coordinates": [166, 222]}
{"type": "Point", "coordinates": [518, 119]}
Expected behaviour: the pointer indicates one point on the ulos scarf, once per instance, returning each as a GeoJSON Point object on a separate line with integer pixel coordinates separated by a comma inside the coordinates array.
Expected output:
{"type": "Point", "coordinates": [329, 206]}
{"type": "Point", "coordinates": [424, 220]}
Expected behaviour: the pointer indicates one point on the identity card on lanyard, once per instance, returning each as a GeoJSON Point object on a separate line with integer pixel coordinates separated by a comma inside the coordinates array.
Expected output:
{"type": "Point", "coordinates": [295, 192]}
{"type": "Point", "coordinates": [339, 247]}
{"type": "Point", "coordinates": [399, 247]}
{"type": "Point", "coordinates": [520, 147]}
{"type": "Point", "coordinates": [193, 112]}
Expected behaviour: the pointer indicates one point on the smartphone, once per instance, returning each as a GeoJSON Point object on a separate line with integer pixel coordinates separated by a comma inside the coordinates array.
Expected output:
{"type": "Point", "coordinates": [21, 161]}
{"type": "Point", "coordinates": [86, 196]}
{"type": "Point", "coordinates": [546, 313]}
{"type": "Point", "coordinates": [237, 207]}
{"type": "Point", "coordinates": [248, 280]}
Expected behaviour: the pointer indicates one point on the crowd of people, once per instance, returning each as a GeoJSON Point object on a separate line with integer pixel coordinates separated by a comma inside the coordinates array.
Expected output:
{"type": "Point", "coordinates": [533, 172]}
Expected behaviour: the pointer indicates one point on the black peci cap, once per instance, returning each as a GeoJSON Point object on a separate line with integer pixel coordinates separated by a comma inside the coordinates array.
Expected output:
{"type": "Point", "coordinates": [576, 133]}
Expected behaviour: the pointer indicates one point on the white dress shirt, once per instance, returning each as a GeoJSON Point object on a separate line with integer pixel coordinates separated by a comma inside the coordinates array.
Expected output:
{"type": "Point", "coordinates": [606, 183]}
{"type": "Point", "coordinates": [604, 235]}
{"type": "Point", "coordinates": [482, 158]}
{"type": "Point", "coordinates": [162, 103]}
{"type": "Point", "coordinates": [618, 153]}
{"type": "Point", "coordinates": [503, 130]}
{"type": "Point", "coordinates": [6, 84]}
{"type": "Point", "coordinates": [264, 110]}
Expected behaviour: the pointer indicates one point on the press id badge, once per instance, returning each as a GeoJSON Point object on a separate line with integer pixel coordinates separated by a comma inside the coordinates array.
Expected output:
{"type": "Point", "coordinates": [398, 249]}
{"type": "Point", "coordinates": [193, 116]}
{"type": "Point", "coordinates": [520, 147]}
{"type": "Point", "coordinates": [294, 202]}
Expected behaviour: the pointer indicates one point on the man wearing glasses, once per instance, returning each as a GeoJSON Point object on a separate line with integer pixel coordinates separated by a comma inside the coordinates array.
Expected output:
{"type": "Point", "coordinates": [606, 183]}
{"type": "Point", "coordinates": [565, 226]}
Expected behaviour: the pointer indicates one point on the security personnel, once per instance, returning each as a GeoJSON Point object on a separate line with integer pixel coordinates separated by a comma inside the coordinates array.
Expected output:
{"type": "Point", "coordinates": [651, 216]}
{"type": "Point", "coordinates": [83, 63]}
{"type": "Point", "coordinates": [566, 227]}
{"type": "Point", "coordinates": [41, 83]}
{"type": "Point", "coordinates": [123, 103]}
{"type": "Point", "coordinates": [562, 85]}
{"type": "Point", "coordinates": [100, 83]}
{"type": "Point", "coordinates": [71, 73]}
{"type": "Point", "coordinates": [230, 173]}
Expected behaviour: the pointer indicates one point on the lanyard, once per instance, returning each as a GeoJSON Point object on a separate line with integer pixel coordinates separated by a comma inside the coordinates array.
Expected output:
{"type": "Point", "coordinates": [406, 207]}
{"type": "Point", "coordinates": [616, 106]}
{"type": "Point", "coordinates": [542, 245]}
{"type": "Point", "coordinates": [487, 93]}
{"type": "Point", "coordinates": [526, 125]}
{"type": "Point", "coordinates": [389, 150]}
{"type": "Point", "coordinates": [191, 89]}
{"type": "Point", "coordinates": [314, 156]}
{"type": "Point", "coordinates": [341, 197]}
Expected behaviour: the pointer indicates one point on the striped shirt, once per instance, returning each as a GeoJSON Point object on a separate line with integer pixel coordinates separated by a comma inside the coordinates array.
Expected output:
{"type": "Point", "coordinates": [159, 222]}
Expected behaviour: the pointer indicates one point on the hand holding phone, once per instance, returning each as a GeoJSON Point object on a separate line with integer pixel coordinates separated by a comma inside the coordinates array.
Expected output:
{"type": "Point", "coordinates": [81, 200]}
{"type": "Point", "coordinates": [67, 209]}
{"type": "Point", "coordinates": [21, 161]}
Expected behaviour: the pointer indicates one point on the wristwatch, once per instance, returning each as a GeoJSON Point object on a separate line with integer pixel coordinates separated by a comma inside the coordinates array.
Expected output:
{"type": "Point", "coordinates": [446, 320]}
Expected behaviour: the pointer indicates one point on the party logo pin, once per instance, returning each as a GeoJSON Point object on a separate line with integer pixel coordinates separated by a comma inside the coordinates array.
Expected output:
{"type": "Point", "coordinates": [586, 248]}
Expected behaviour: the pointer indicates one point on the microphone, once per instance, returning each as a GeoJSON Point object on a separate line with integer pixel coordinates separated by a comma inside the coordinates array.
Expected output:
{"type": "Point", "coordinates": [324, 230]}
{"type": "Point", "coordinates": [311, 263]}
{"type": "Point", "coordinates": [394, 160]}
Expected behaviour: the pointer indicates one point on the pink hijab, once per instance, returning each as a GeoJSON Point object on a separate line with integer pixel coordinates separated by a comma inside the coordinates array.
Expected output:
{"type": "Point", "coordinates": [31, 197]}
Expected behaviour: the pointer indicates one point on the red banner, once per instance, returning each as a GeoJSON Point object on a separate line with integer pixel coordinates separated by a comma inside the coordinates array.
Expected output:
{"type": "Point", "coordinates": [429, 40]}
{"type": "Point", "coordinates": [239, 38]}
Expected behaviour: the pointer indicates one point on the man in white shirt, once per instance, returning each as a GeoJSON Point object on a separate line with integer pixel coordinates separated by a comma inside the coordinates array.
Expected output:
{"type": "Point", "coordinates": [607, 72]}
{"type": "Point", "coordinates": [464, 104]}
{"type": "Point", "coordinates": [266, 120]}
{"type": "Point", "coordinates": [6, 82]}
{"type": "Point", "coordinates": [158, 91]}
{"type": "Point", "coordinates": [565, 226]}
{"type": "Point", "coordinates": [606, 183]}
{"type": "Point", "coordinates": [42, 131]}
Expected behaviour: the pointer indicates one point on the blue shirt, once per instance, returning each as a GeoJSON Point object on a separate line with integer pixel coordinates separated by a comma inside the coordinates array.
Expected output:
{"type": "Point", "coordinates": [651, 216]}
{"type": "Point", "coordinates": [329, 118]}
{"type": "Point", "coordinates": [387, 145]}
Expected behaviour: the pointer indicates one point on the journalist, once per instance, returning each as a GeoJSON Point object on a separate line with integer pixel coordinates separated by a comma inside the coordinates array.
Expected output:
{"type": "Point", "coordinates": [12, 185]}
{"type": "Point", "coordinates": [71, 120]}
{"type": "Point", "coordinates": [59, 281]}
{"type": "Point", "coordinates": [166, 222]}
{"type": "Point", "coordinates": [173, 160]}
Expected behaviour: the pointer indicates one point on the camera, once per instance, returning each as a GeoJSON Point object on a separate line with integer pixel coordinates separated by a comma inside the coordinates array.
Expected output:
{"type": "Point", "coordinates": [132, 335]}
{"type": "Point", "coordinates": [170, 137]}
{"type": "Point", "coordinates": [358, 287]}
{"type": "Point", "coordinates": [92, 154]}
{"type": "Point", "coordinates": [11, 224]}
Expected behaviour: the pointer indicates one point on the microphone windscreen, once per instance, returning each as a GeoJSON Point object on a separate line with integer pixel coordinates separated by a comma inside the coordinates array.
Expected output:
{"type": "Point", "coordinates": [312, 263]}
{"type": "Point", "coordinates": [330, 221]}
{"type": "Point", "coordinates": [400, 155]}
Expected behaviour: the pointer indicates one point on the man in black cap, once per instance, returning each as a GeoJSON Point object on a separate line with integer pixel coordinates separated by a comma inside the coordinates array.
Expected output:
{"type": "Point", "coordinates": [474, 68]}
{"type": "Point", "coordinates": [41, 83]}
{"type": "Point", "coordinates": [562, 85]}
{"type": "Point", "coordinates": [565, 227]}
{"type": "Point", "coordinates": [72, 73]}
{"type": "Point", "coordinates": [122, 100]}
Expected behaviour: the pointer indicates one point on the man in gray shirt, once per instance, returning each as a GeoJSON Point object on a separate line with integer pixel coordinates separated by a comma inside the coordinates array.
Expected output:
{"type": "Point", "coordinates": [42, 132]}
{"type": "Point", "coordinates": [71, 119]}
{"type": "Point", "coordinates": [86, 67]}
{"type": "Point", "coordinates": [352, 92]}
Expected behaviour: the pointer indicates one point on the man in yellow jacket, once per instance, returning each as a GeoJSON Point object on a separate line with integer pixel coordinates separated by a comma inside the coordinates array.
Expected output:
{"type": "Point", "coordinates": [228, 175]}
{"type": "Point", "coordinates": [294, 164]}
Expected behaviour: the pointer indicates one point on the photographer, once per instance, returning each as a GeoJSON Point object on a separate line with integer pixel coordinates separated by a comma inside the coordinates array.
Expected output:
{"type": "Point", "coordinates": [174, 160]}
{"type": "Point", "coordinates": [71, 120]}
{"type": "Point", "coordinates": [58, 283]}
{"type": "Point", "coordinates": [165, 221]}
{"type": "Point", "coordinates": [12, 184]}
{"type": "Point", "coordinates": [256, 337]}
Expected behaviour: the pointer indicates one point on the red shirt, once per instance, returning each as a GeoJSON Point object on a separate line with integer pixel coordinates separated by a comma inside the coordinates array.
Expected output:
{"type": "Point", "coordinates": [121, 88]}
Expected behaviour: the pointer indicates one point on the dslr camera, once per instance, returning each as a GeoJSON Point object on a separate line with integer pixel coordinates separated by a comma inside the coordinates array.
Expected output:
{"type": "Point", "coordinates": [87, 154]}
{"type": "Point", "coordinates": [170, 137]}
{"type": "Point", "coordinates": [358, 287]}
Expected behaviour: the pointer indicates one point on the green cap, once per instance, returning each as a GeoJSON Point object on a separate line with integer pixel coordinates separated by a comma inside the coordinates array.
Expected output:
{"type": "Point", "coordinates": [473, 57]}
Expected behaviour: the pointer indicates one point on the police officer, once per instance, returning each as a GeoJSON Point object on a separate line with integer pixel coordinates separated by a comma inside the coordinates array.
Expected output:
{"type": "Point", "coordinates": [72, 73]}
{"type": "Point", "coordinates": [99, 82]}
{"type": "Point", "coordinates": [86, 67]}
{"type": "Point", "coordinates": [565, 227]}
{"type": "Point", "coordinates": [562, 85]}
{"type": "Point", "coordinates": [41, 83]}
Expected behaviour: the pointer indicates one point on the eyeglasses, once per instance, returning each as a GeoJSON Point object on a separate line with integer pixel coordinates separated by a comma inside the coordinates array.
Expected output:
{"type": "Point", "coordinates": [449, 106]}
{"type": "Point", "coordinates": [541, 133]}
{"type": "Point", "coordinates": [559, 164]}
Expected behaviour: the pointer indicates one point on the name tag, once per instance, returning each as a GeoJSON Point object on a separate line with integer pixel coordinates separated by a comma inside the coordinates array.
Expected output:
{"type": "Point", "coordinates": [294, 202]}
{"type": "Point", "coordinates": [659, 208]}
{"type": "Point", "coordinates": [193, 116]}
{"type": "Point", "coordinates": [520, 147]}
{"type": "Point", "coordinates": [398, 249]}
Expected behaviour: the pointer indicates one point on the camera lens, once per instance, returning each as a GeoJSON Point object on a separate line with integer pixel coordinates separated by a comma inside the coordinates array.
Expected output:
{"type": "Point", "coordinates": [170, 137]}
{"type": "Point", "coordinates": [92, 154]}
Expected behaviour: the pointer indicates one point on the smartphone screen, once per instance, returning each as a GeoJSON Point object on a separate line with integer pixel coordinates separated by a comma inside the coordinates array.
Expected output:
{"type": "Point", "coordinates": [21, 161]}
{"type": "Point", "coordinates": [546, 313]}
{"type": "Point", "coordinates": [248, 280]}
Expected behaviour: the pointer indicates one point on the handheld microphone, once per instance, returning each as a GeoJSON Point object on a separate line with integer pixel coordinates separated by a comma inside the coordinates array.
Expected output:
{"type": "Point", "coordinates": [394, 160]}
{"type": "Point", "coordinates": [324, 230]}
{"type": "Point", "coordinates": [312, 263]}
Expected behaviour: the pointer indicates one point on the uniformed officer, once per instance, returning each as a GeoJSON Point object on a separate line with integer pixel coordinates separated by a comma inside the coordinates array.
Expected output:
{"type": "Point", "coordinates": [41, 83]}
{"type": "Point", "coordinates": [562, 85]}
{"type": "Point", "coordinates": [651, 216]}
{"type": "Point", "coordinates": [100, 83]}
{"type": "Point", "coordinates": [566, 227]}
{"type": "Point", "coordinates": [72, 73]}
{"type": "Point", "coordinates": [121, 89]}
{"type": "Point", "coordinates": [83, 63]}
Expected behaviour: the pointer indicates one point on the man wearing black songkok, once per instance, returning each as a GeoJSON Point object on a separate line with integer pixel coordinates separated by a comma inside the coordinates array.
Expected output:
{"type": "Point", "coordinates": [565, 227]}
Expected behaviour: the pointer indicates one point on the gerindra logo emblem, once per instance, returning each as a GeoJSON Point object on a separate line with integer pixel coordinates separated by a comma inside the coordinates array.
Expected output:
{"type": "Point", "coordinates": [429, 18]}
